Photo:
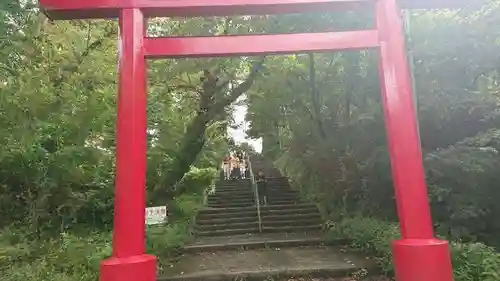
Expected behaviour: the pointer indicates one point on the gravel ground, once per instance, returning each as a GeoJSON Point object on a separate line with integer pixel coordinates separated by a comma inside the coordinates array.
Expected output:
{"type": "Point", "coordinates": [379, 278]}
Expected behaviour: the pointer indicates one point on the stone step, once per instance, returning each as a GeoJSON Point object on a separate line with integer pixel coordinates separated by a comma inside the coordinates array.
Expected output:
{"type": "Point", "coordinates": [226, 205]}
{"type": "Point", "coordinates": [227, 226]}
{"type": "Point", "coordinates": [278, 181]}
{"type": "Point", "coordinates": [269, 210]}
{"type": "Point", "coordinates": [299, 206]}
{"type": "Point", "coordinates": [209, 214]}
{"type": "Point", "coordinates": [292, 199]}
{"type": "Point", "coordinates": [291, 229]}
{"type": "Point", "coordinates": [291, 223]}
{"type": "Point", "coordinates": [288, 212]}
{"type": "Point", "coordinates": [279, 186]}
{"type": "Point", "coordinates": [240, 219]}
{"type": "Point", "coordinates": [282, 194]}
{"type": "Point", "coordinates": [236, 183]}
{"type": "Point", "coordinates": [272, 201]}
{"type": "Point", "coordinates": [296, 216]}
{"type": "Point", "coordinates": [268, 215]}
{"type": "Point", "coordinates": [247, 194]}
{"type": "Point", "coordinates": [247, 228]}
{"type": "Point", "coordinates": [228, 199]}
{"type": "Point", "coordinates": [272, 264]}
{"type": "Point", "coordinates": [264, 214]}
{"type": "Point", "coordinates": [232, 181]}
{"type": "Point", "coordinates": [231, 204]}
{"type": "Point", "coordinates": [234, 189]}
{"type": "Point", "coordinates": [236, 186]}
{"type": "Point", "coordinates": [242, 193]}
{"type": "Point", "coordinates": [233, 193]}
{"type": "Point", "coordinates": [287, 200]}
{"type": "Point", "coordinates": [263, 208]}
{"type": "Point", "coordinates": [222, 200]}
{"type": "Point", "coordinates": [229, 243]}
{"type": "Point", "coordinates": [282, 190]}
{"type": "Point", "coordinates": [283, 197]}
{"type": "Point", "coordinates": [233, 200]}
{"type": "Point", "coordinates": [227, 232]}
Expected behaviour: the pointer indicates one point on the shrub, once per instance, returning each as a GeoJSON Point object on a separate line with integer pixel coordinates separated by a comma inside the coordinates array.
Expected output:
{"type": "Point", "coordinates": [475, 261]}
{"type": "Point", "coordinates": [77, 257]}
{"type": "Point", "coordinates": [196, 181]}
{"type": "Point", "coordinates": [71, 257]}
{"type": "Point", "coordinates": [370, 236]}
{"type": "Point", "coordinates": [471, 261]}
{"type": "Point", "coordinates": [184, 207]}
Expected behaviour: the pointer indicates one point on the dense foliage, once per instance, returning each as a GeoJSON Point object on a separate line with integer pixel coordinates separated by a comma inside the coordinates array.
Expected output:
{"type": "Point", "coordinates": [471, 261]}
{"type": "Point", "coordinates": [321, 120]}
{"type": "Point", "coordinates": [57, 119]}
{"type": "Point", "coordinates": [58, 114]}
{"type": "Point", "coordinates": [319, 116]}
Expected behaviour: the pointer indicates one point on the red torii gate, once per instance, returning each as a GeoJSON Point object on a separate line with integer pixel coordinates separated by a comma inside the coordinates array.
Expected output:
{"type": "Point", "coordinates": [418, 256]}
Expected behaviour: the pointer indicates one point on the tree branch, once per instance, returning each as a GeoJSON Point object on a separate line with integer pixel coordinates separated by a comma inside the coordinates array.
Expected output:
{"type": "Point", "coordinates": [240, 89]}
{"type": "Point", "coordinates": [96, 44]}
{"type": "Point", "coordinates": [73, 67]}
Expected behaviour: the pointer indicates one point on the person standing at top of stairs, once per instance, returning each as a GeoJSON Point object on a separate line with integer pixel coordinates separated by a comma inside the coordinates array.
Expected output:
{"type": "Point", "coordinates": [243, 167]}
{"type": "Point", "coordinates": [239, 155]}
{"type": "Point", "coordinates": [236, 170]}
{"type": "Point", "coordinates": [227, 167]}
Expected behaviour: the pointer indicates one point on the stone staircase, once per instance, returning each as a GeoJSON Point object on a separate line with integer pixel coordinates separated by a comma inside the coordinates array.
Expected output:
{"type": "Point", "coordinates": [231, 210]}
{"type": "Point", "coordinates": [229, 245]}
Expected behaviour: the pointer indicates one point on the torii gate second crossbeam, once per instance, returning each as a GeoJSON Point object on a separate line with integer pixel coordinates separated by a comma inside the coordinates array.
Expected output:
{"type": "Point", "coordinates": [418, 256]}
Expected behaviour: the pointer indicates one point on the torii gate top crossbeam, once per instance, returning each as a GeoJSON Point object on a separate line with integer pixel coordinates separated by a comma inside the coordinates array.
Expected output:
{"type": "Point", "coordinates": [86, 9]}
{"type": "Point", "coordinates": [71, 9]}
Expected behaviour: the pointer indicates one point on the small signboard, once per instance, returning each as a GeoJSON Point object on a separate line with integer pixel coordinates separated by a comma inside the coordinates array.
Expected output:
{"type": "Point", "coordinates": [156, 215]}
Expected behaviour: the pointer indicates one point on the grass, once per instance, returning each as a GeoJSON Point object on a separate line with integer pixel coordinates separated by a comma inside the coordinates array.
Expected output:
{"type": "Point", "coordinates": [471, 261]}
{"type": "Point", "coordinates": [76, 257]}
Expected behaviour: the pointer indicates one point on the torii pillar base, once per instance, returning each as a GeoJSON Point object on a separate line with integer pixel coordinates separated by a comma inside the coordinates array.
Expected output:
{"type": "Point", "coordinates": [134, 268]}
{"type": "Point", "coordinates": [422, 260]}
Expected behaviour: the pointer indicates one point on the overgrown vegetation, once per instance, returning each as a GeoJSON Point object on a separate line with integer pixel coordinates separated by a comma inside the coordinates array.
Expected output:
{"type": "Point", "coordinates": [57, 120]}
{"type": "Point", "coordinates": [321, 121]}
{"type": "Point", "coordinates": [319, 116]}
{"type": "Point", "coordinates": [76, 253]}
{"type": "Point", "coordinates": [471, 261]}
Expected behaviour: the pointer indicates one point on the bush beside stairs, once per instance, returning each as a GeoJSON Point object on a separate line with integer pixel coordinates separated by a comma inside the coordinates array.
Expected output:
{"type": "Point", "coordinates": [229, 246]}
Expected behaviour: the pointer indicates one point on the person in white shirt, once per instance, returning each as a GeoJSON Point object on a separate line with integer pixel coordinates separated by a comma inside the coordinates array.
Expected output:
{"type": "Point", "coordinates": [227, 167]}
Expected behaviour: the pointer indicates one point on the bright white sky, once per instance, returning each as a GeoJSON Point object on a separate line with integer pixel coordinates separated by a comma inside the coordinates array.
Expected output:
{"type": "Point", "coordinates": [239, 134]}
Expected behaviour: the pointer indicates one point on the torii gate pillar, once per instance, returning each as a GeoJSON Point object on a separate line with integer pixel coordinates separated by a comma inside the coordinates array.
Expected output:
{"type": "Point", "coordinates": [418, 256]}
{"type": "Point", "coordinates": [129, 261]}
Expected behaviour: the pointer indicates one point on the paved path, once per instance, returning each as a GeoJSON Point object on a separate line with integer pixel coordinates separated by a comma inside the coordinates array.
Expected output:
{"type": "Point", "coordinates": [262, 263]}
{"type": "Point", "coordinates": [229, 245]}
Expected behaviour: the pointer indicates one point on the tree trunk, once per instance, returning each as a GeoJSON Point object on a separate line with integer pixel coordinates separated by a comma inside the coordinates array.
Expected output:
{"type": "Point", "coordinates": [194, 138]}
{"type": "Point", "coordinates": [192, 144]}
{"type": "Point", "coordinates": [315, 97]}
